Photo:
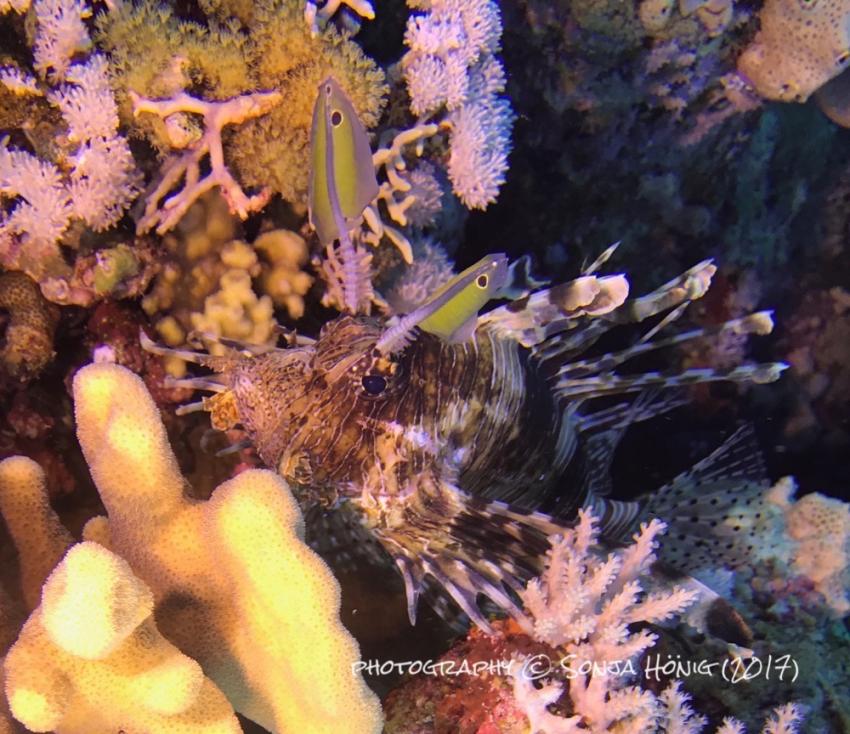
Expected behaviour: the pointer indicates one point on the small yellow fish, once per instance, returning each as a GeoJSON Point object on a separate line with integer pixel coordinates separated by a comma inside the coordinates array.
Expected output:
{"type": "Point", "coordinates": [451, 313]}
{"type": "Point", "coordinates": [342, 181]}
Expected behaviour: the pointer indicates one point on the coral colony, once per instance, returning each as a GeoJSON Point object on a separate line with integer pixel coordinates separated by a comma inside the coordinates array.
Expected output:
{"type": "Point", "coordinates": [157, 164]}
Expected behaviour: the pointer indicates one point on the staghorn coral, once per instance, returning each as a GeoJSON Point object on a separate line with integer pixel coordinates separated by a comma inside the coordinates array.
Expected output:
{"type": "Point", "coordinates": [235, 587]}
{"type": "Point", "coordinates": [28, 338]}
{"type": "Point", "coordinates": [800, 47]}
{"type": "Point", "coordinates": [163, 213]}
{"type": "Point", "coordinates": [583, 605]}
{"type": "Point", "coordinates": [94, 639]}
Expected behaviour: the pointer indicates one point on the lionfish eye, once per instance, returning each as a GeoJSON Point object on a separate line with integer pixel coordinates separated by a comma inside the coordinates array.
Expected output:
{"type": "Point", "coordinates": [482, 281]}
{"type": "Point", "coordinates": [374, 384]}
{"type": "Point", "coordinates": [336, 118]}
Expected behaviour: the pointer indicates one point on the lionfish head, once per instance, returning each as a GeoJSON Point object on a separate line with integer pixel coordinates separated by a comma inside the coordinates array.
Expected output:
{"type": "Point", "coordinates": [348, 363]}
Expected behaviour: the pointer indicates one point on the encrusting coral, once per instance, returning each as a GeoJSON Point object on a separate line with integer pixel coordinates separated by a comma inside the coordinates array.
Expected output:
{"type": "Point", "coordinates": [28, 337]}
{"type": "Point", "coordinates": [813, 539]}
{"type": "Point", "coordinates": [234, 586]}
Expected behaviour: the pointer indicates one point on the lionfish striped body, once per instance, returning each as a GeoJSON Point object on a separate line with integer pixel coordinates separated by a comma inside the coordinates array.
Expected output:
{"type": "Point", "coordinates": [445, 451]}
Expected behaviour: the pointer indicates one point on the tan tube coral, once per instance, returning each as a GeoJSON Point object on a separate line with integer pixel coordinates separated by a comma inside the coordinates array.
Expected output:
{"type": "Point", "coordinates": [90, 659]}
{"type": "Point", "coordinates": [39, 537]}
{"type": "Point", "coordinates": [236, 588]}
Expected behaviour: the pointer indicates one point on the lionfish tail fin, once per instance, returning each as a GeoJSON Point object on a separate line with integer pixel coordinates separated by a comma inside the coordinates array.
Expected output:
{"type": "Point", "coordinates": [710, 508]}
{"type": "Point", "coordinates": [478, 553]}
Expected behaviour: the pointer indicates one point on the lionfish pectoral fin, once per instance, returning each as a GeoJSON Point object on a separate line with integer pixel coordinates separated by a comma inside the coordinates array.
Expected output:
{"type": "Point", "coordinates": [710, 613]}
{"type": "Point", "coordinates": [469, 548]}
{"type": "Point", "coordinates": [544, 315]}
{"type": "Point", "coordinates": [710, 510]}
{"type": "Point", "coordinates": [211, 361]}
{"type": "Point", "coordinates": [413, 576]}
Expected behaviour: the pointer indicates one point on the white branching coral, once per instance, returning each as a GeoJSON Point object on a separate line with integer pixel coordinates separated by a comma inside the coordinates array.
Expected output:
{"type": "Point", "coordinates": [584, 605]}
{"type": "Point", "coordinates": [163, 211]}
{"type": "Point", "coordinates": [60, 34]}
{"type": "Point", "coordinates": [587, 603]}
{"type": "Point", "coordinates": [451, 64]}
{"type": "Point", "coordinates": [94, 177]}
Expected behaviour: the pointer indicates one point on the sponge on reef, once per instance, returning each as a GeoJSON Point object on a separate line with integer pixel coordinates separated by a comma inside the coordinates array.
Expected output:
{"type": "Point", "coordinates": [802, 44]}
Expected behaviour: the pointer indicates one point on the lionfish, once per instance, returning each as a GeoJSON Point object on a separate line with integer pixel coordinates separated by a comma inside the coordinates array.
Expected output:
{"type": "Point", "coordinates": [444, 450]}
{"type": "Point", "coordinates": [446, 434]}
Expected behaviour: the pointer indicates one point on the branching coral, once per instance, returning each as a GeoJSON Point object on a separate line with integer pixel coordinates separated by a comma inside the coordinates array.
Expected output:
{"type": "Point", "coordinates": [581, 669]}
{"type": "Point", "coordinates": [165, 214]}
{"type": "Point", "coordinates": [90, 658]}
{"type": "Point", "coordinates": [231, 581]}
{"type": "Point", "coordinates": [90, 174]}
{"type": "Point", "coordinates": [243, 73]}
{"type": "Point", "coordinates": [584, 605]}
{"type": "Point", "coordinates": [28, 338]}
{"type": "Point", "coordinates": [235, 587]}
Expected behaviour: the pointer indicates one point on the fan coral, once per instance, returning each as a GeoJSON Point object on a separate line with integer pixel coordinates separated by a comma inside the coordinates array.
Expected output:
{"type": "Point", "coordinates": [28, 344]}
{"type": "Point", "coordinates": [800, 47]}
